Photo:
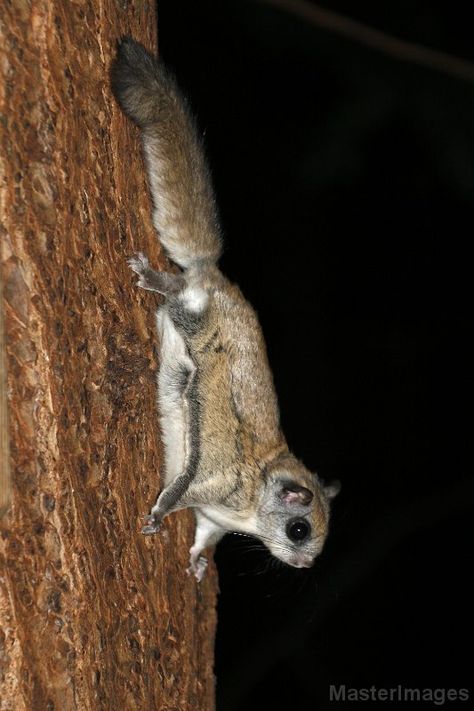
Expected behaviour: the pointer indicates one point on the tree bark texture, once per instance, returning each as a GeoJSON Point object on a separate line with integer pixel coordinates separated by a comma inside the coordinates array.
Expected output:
{"type": "Point", "coordinates": [93, 615]}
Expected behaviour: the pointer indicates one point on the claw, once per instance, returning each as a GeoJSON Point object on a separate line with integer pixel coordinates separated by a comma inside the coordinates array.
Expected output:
{"type": "Point", "coordinates": [198, 568]}
{"type": "Point", "coordinates": [152, 525]}
{"type": "Point", "coordinates": [138, 263]}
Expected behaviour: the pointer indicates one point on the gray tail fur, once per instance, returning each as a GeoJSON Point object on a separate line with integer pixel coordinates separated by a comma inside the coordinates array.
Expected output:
{"type": "Point", "coordinates": [185, 213]}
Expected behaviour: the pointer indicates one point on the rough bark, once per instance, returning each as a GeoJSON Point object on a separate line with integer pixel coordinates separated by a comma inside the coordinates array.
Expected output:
{"type": "Point", "coordinates": [93, 615]}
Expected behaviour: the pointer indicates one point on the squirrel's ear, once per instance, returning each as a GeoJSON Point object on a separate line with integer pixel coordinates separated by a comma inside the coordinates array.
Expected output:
{"type": "Point", "coordinates": [332, 489]}
{"type": "Point", "coordinates": [296, 494]}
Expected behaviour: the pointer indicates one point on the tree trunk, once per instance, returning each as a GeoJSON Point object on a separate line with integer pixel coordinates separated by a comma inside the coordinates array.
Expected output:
{"type": "Point", "coordinates": [93, 615]}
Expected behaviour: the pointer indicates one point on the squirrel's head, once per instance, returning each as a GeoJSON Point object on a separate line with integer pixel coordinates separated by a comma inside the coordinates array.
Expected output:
{"type": "Point", "coordinates": [293, 512]}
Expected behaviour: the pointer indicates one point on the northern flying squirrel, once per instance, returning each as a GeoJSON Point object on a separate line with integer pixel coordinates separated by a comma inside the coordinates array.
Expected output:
{"type": "Point", "coordinates": [225, 453]}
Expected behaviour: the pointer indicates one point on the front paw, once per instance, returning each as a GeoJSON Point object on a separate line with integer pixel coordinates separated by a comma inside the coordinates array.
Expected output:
{"type": "Point", "coordinates": [139, 263]}
{"type": "Point", "coordinates": [141, 266]}
{"type": "Point", "coordinates": [197, 567]}
{"type": "Point", "coordinates": [152, 525]}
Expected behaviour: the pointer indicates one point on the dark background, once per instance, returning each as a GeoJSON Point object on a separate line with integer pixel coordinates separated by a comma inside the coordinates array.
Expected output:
{"type": "Point", "coordinates": [345, 180]}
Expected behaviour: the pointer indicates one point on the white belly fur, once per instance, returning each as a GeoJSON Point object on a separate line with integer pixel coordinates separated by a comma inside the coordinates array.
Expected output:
{"type": "Point", "coordinates": [229, 521]}
{"type": "Point", "coordinates": [172, 402]}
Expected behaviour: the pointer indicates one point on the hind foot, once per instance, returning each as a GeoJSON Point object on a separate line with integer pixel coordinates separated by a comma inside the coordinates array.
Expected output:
{"type": "Point", "coordinates": [150, 279]}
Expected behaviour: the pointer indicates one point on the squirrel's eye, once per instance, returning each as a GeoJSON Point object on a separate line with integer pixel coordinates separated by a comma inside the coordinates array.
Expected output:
{"type": "Point", "coordinates": [298, 530]}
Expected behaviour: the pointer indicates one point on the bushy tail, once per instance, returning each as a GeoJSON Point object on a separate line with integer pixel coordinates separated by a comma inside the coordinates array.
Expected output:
{"type": "Point", "coordinates": [184, 213]}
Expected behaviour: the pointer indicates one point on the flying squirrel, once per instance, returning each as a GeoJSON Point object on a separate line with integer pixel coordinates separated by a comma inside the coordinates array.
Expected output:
{"type": "Point", "coordinates": [225, 453]}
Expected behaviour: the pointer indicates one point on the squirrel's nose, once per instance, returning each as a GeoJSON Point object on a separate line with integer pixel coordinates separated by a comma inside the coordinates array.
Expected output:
{"type": "Point", "coordinates": [303, 561]}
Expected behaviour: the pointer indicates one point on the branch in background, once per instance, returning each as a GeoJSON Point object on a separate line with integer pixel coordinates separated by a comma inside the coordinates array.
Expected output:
{"type": "Point", "coordinates": [375, 39]}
